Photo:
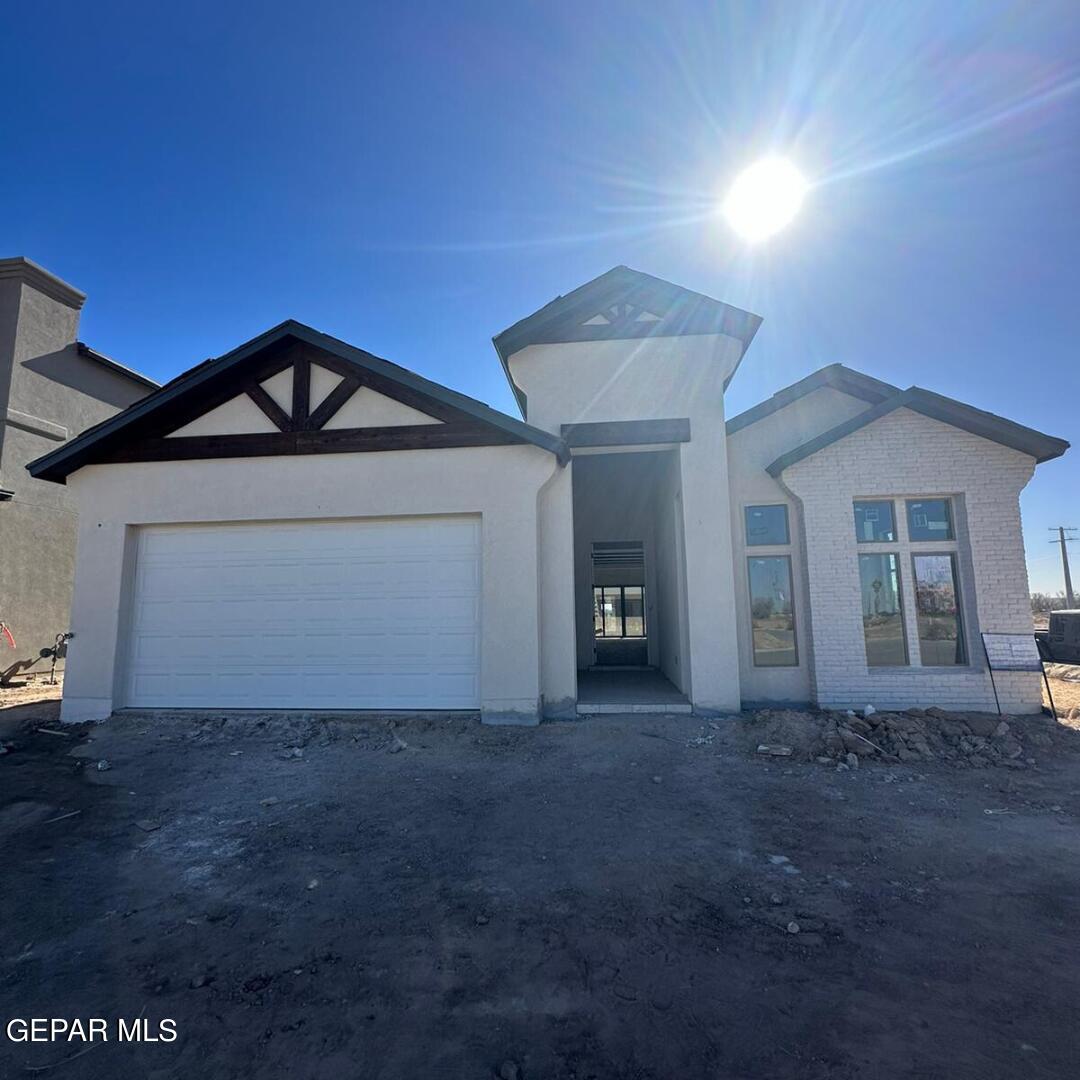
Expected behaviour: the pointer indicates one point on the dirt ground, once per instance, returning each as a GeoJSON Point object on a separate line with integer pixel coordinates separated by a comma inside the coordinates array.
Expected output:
{"type": "Point", "coordinates": [632, 897]}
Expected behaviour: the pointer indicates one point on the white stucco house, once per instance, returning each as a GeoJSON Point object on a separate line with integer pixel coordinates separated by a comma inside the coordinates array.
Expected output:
{"type": "Point", "coordinates": [299, 524]}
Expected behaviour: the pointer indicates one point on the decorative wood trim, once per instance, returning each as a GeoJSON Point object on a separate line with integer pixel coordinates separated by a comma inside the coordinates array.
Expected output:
{"type": "Point", "coordinates": [273, 410]}
{"type": "Point", "coordinates": [334, 401]}
{"type": "Point", "coordinates": [627, 432]}
{"type": "Point", "coordinates": [340, 441]}
{"type": "Point", "coordinates": [301, 390]}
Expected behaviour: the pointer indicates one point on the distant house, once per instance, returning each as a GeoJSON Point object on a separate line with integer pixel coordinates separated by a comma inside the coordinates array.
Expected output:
{"type": "Point", "coordinates": [300, 524]}
{"type": "Point", "coordinates": [51, 387]}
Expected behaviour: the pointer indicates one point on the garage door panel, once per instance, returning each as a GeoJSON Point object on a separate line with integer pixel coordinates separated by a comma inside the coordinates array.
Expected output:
{"type": "Point", "coordinates": [348, 614]}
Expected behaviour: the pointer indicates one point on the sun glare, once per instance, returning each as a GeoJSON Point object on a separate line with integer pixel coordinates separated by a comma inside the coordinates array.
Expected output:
{"type": "Point", "coordinates": [764, 198]}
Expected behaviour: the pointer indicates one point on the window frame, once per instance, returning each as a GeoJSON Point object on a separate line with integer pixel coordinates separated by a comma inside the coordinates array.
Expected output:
{"type": "Point", "coordinates": [891, 504]}
{"type": "Point", "coordinates": [897, 555]}
{"type": "Point", "coordinates": [961, 622]}
{"type": "Point", "coordinates": [949, 513]}
{"type": "Point", "coordinates": [624, 636]}
{"type": "Point", "coordinates": [748, 507]}
{"type": "Point", "coordinates": [791, 600]}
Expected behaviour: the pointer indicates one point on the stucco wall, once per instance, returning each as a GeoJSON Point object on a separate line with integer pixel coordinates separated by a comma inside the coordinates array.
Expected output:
{"type": "Point", "coordinates": [750, 451]}
{"type": "Point", "coordinates": [907, 455]}
{"type": "Point", "coordinates": [500, 483]}
{"type": "Point", "coordinates": [648, 378]}
{"type": "Point", "coordinates": [50, 393]}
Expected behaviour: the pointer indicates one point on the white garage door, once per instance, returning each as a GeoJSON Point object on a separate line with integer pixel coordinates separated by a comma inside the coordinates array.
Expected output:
{"type": "Point", "coordinates": [319, 615]}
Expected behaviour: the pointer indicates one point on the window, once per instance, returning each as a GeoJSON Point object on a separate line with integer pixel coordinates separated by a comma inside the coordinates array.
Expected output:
{"type": "Point", "coordinates": [930, 519]}
{"type": "Point", "coordinates": [766, 525]}
{"type": "Point", "coordinates": [874, 523]}
{"type": "Point", "coordinates": [771, 616]}
{"type": "Point", "coordinates": [937, 610]}
{"type": "Point", "coordinates": [619, 611]}
{"type": "Point", "coordinates": [882, 610]}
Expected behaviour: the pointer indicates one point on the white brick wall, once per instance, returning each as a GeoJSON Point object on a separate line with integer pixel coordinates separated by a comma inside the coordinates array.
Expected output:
{"type": "Point", "coordinates": [907, 455]}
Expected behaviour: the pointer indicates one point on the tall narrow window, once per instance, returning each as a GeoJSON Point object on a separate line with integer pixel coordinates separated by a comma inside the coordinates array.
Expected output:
{"type": "Point", "coordinates": [882, 610]}
{"type": "Point", "coordinates": [772, 617]}
{"type": "Point", "coordinates": [937, 607]}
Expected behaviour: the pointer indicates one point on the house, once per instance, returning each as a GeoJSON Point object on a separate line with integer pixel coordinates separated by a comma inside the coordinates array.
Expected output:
{"type": "Point", "coordinates": [52, 386]}
{"type": "Point", "coordinates": [300, 524]}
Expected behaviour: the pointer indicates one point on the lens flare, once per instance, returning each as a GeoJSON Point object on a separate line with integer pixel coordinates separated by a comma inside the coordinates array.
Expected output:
{"type": "Point", "coordinates": [764, 198]}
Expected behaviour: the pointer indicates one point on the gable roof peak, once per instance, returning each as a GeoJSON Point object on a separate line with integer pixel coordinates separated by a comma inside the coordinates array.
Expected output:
{"type": "Point", "coordinates": [202, 385]}
{"type": "Point", "coordinates": [621, 304]}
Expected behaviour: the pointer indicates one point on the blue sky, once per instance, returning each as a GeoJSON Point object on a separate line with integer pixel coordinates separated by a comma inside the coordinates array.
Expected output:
{"type": "Point", "coordinates": [415, 177]}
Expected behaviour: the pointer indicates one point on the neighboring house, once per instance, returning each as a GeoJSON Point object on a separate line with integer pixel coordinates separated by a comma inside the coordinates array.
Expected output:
{"type": "Point", "coordinates": [299, 524]}
{"type": "Point", "coordinates": [51, 387]}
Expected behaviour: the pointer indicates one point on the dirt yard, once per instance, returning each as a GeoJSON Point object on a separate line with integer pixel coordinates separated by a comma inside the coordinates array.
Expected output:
{"type": "Point", "coordinates": [630, 897]}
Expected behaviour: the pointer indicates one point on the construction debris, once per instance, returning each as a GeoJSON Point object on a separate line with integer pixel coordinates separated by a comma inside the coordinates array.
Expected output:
{"type": "Point", "coordinates": [963, 740]}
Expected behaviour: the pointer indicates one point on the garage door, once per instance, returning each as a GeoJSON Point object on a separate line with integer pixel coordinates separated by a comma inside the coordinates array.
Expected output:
{"type": "Point", "coordinates": [333, 615]}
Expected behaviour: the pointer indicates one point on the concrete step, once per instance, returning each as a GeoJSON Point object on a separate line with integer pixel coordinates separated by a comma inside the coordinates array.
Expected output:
{"type": "Point", "coordinates": [589, 708]}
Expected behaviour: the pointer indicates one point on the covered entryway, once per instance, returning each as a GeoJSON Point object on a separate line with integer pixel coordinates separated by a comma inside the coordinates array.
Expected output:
{"type": "Point", "coordinates": [358, 614]}
{"type": "Point", "coordinates": [630, 581]}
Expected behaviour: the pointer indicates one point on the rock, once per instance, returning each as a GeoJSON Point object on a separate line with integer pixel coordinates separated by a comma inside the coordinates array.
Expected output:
{"type": "Point", "coordinates": [776, 898]}
{"type": "Point", "coordinates": [1002, 729]}
{"type": "Point", "coordinates": [147, 825]}
{"type": "Point", "coordinates": [483, 919]}
{"type": "Point", "coordinates": [852, 760]}
{"type": "Point", "coordinates": [981, 724]}
{"type": "Point", "coordinates": [313, 883]}
{"type": "Point", "coordinates": [104, 765]}
{"type": "Point", "coordinates": [509, 1070]}
{"type": "Point", "coordinates": [854, 745]}
{"type": "Point", "coordinates": [869, 711]}
{"type": "Point", "coordinates": [822, 760]}
{"type": "Point", "coordinates": [273, 800]}
{"type": "Point", "coordinates": [1074, 713]}
{"type": "Point", "coordinates": [657, 780]}
{"type": "Point", "coordinates": [793, 927]}
{"type": "Point", "coordinates": [775, 750]}
{"type": "Point", "coordinates": [200, 981]}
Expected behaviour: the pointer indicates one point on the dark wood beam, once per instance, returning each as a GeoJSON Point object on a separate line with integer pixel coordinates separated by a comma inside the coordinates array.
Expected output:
{"type": "Point", "coordinates": [301, 390]}
{"type": "Point", "coordinates": [627, 432]}
{"type": "Point", "coordinates": [273, 410]}
{"type": "Point", "coordinates": [338, 441]}
{"type": "Point", "coordinates": [333, 401]}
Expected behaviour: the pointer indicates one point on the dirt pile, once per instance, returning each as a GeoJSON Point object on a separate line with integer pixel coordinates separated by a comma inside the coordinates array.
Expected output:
{"type": "Point", "coordinates": [964, 740]}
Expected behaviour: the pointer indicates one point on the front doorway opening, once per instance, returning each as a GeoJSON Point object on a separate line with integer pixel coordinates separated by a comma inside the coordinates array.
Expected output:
{"type": "Point", "coordinates": [629, 582]}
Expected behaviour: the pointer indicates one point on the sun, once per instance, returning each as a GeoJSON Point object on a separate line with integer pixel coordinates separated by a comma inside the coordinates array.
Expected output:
{"type": "Point", "coordinates": [764, 198]}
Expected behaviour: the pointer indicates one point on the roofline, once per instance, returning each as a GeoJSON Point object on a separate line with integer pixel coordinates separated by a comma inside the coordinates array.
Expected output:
{"type": "Point", "coordinates": [43, 280]}
{"type": "Point", "coordinates": [937, 407]}
{"type": "Point", "coordinates": [510, 341]}
{"type": "Point", "coordinates": [116, 366]}
{"type": "Point", "coordinates": [50, 466]}
{"type": "Point", "coordinates": [836, 376]}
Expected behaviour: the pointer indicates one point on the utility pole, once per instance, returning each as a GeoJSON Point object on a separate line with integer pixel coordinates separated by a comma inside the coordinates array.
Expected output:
{"type": "Point", "coordinates": [1062, 539]}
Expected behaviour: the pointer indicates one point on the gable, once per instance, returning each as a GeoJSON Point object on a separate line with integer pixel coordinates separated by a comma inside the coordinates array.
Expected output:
{"type": "Point", "coordinates": [292, 391]}
{"type": "Point", "coordinates": [946, 411]}
{"type": "Point", "coordinates": [624, 304]}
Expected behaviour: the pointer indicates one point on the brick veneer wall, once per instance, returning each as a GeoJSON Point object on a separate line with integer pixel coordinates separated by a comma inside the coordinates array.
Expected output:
{"type": "Point", "coordinates": [907, 455]}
